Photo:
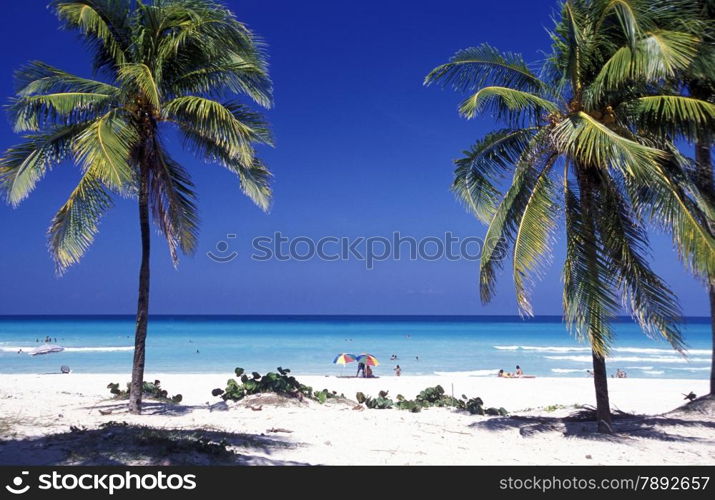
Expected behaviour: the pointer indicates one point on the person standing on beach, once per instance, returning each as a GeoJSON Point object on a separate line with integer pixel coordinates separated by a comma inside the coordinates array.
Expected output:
{"type": "Point", "coordinates": [361, 368]}
{"type": "Point", "coordinates": [398, 370]}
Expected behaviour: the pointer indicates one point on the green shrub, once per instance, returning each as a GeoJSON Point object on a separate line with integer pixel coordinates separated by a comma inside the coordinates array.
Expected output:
{"type": "Point", "coordinates": [149, 389]}
{"type": "Point", "coordinates": [429, 397]}
{"type": "Point", "coordinates": [278, 382]}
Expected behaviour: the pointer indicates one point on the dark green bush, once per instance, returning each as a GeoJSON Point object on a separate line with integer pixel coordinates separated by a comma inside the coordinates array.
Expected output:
{"type": "Point", "coordinates": [429, 397]}
{"type": "Point", "coordinates": [149, 389]}
{"type": "Point", "coordinates": [279, 382]}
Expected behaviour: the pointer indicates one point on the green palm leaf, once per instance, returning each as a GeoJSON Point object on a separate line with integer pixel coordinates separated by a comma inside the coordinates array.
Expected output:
{"type": "Point", "coordinates": [476, 67]}
{"type": "Point", "coordinates": [37, 77]}
{"type": "Point", "coordinates": [482, 165]}
{"type": "Point", "coordinates": [657, 56]}
{"type": "Point", "coordinates": [254, 176]}
{"type": "Point", "coordinates": [672, 115]}
{"type": "Point", "coordinates": [504, 224]}
{"type": "Point", "coordinates": [104, 21]}
{"type": "Point", "coordinates": [24, 165]}
{"type": "Point", "coordinates": [173, 203]}
{"type": "Point", "coordinates": [534, 236]}
{"type": "Point", "coordinates": [505, 103]}
{"type": "Point", "coordinates": [76, 223]}
{"type": "Point", "coordinates": [590, 300]}
{"type": "Point", "coordinates": [139, 75]}
{"type": "Point", "coordinates": [36, 112]}
{"type": "Point", "coordinates": [105, 147]}
{"type": "Point", "coordinates": [231, 126]}
{"type": "Point", "coordinates": [644, 293]}
{"type": "Point", "coordinates": [592, 143]}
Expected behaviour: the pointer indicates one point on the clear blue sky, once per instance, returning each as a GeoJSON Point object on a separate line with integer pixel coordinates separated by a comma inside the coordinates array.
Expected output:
{"type": "Point", "coordinates": [362, 149]}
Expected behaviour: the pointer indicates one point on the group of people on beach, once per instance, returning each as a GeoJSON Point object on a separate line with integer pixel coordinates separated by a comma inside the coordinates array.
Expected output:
{"type": "Point", "coordinates": [47, 339]}
{"type": "Point", "coordinates": [518, 373]}
{"type": "Point", "coordinates": [365, 370]}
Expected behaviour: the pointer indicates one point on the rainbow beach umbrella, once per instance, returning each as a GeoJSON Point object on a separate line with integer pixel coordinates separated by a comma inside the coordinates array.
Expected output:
{"type": "Point", "coordinates": [368, 359]}
{"type": "Point", "coordinates": [344, 358]}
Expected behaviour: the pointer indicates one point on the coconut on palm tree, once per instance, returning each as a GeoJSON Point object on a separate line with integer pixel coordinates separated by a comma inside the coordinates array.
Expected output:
{"type": "Point", "coordinates": [160, 64]}
{"type": "Point", "coordinates": [580, 164]}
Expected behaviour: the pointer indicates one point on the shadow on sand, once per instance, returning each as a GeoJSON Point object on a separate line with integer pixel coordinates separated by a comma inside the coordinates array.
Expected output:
{"type": "Point", "coordinates": [118, 443]}
{"type": "Point", "coordinates": [582, 424]}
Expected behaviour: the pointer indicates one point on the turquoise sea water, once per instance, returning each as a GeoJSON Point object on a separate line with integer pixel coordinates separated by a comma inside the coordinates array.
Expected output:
{"type": "Point", "coordinates": [478, 346]}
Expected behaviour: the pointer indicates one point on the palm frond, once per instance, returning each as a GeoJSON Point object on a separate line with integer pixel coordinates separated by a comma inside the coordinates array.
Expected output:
{"type": "Point", "coordinates": [590, 294]}
{"type": "Point", "coordinates": [35, 112]}
{"type": "Point", "coordinates": [590, 142]}
{"type": "Point", "coordinates": [24, 165]}
{"type": "Point", "coordinates": [657, 56]}
{"type": "Point", "coordinates": [473, 68]}
{"type": "Point", "coordinates": [76, 223]}
{"type": "Point", "coordinates": [231, 126]}
{"type": "Point", "coordinates": [504, 224]}
{"type": "Point", "coordinates": [105, 147]}
{"type": "Point", "coordinates": [139, 76]}
{"type": "Point", "coordinates": [676, 211]}
{"type": "Point", "coordinates": [652, 304]}
{"type": "Point", "coordinates": [173, 203]}
{"type": "Point", "coordinates": [534, 236]}
{"type": "Point", "coordinates": [104, 21]}
{"type": "Point", "coordinates": [513, 106]}
{"type": "Point", "coordinates": [214, 77]}
{"type": "Point", "coordinates": [483, 164]}
{"type": "Point", "coordinates": [672, 115]}
{"type": "Point", "coordinates": [254, 176]}
{"type": "Point", "coordinates": [37, 77]}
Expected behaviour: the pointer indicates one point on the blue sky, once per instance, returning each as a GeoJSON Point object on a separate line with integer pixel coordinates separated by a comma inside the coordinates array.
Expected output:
{"type": "Point", "coordinates": [362, 149]}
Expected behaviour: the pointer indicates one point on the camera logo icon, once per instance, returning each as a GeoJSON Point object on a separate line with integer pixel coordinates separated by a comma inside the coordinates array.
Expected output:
{"type": "Point", "coordinates": [16, 487]}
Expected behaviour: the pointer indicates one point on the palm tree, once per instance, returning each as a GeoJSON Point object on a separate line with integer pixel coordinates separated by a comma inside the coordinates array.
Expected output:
{"type": "Point", "coordinates": [699, 80]}
{"type": "Point", "coordinates": [167, 64]}
{"type": "Point", "coordinates": [579, 161]}
{"type": "Point", "coordinates": [696, 81]}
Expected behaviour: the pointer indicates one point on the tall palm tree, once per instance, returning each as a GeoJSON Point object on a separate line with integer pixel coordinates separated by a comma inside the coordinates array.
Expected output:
{"type": "Point", "coordinates": [696, 81]}
{"type": "Point", "coordinates": [166, 64]}
{"type": "Point", "coordinates": [699, 80]}
{"type": "Point", "coordinates": [580, 162]}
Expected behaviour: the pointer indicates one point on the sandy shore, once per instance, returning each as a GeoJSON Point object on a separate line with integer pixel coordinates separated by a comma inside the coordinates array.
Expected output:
{"type": "Point", "coordinates": [37, 413]}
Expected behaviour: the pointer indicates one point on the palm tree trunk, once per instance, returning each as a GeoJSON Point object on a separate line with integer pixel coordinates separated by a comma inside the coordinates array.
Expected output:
{"type": "Point", "coordinates": [137, 384]}
{"type": "Point", "coordinates": [712, 327]}
{"type": "Point", "coordinates": [603, 406]}
{"type": "Point", "coordinates": [600, 377]}
{"type": "Point", "coordinates": [703, 161]}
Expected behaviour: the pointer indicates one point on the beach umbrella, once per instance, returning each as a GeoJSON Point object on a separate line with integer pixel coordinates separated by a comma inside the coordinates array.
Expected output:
{"type": "Point", "coordinates": [344, 358]}
{"type": "Point", "coordinates": [368, 359]}
{"type": "Point", "coordinates": [46, 349]}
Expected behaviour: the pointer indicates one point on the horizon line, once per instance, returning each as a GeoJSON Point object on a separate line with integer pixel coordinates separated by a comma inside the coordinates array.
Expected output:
{"type": "Point", "coordinates": [292, 315]}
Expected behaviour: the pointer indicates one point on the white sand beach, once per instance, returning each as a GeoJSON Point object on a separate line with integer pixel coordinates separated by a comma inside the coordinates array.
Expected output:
{"type": "Point", "coordinates": [49, 419]}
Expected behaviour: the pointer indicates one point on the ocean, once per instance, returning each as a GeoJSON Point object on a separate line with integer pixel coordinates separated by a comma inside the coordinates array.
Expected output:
{"type": "Point", "coordinates": [474, 346]}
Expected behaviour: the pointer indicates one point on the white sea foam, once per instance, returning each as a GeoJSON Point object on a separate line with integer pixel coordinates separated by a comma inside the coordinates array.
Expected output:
{"type": "Point", "coordinates": [27, 348]}
{"type": "Point", "coordinates": [568, 370]}
{"type": "Point", "coordinates": [635, 359]}
{"type": "Point", "coordinates": [472, 373]}
{"type": "Point", "coordinates": [99, 349]}
{"type": "Point", "coordinates": [644, 368]}
{"type": "Point", "coordinates": [694, 369]}
{"type": "Point", "coordinates": [648, 350]}
{"type": "Point", "coordinates": [630, 350]}
{"type": "Point", "coordinates": [541, 348]}
{"type": "Point", "coordinates": [654, 372]}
